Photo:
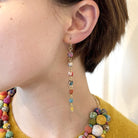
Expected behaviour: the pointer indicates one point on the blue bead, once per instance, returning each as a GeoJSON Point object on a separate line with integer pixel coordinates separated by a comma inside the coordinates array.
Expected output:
{"type": "Point", "coordinates": [90, 125]}
{"type": "Point", "coordinates": [70, 82]}
{"type": "Point", "coordinates": [108, 118]}
{"type": "Point", "coordinates": [97, 110]}
{"type": "Point", "coordinates": [71, 100]}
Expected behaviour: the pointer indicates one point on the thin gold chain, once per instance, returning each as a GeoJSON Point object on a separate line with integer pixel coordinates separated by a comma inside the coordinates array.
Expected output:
{"type": "Point", "coordinates": [97, 101]}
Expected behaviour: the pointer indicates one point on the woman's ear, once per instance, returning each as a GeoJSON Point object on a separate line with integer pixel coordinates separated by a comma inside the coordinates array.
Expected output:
{"type": "Point", "coordinates": [83, 19]}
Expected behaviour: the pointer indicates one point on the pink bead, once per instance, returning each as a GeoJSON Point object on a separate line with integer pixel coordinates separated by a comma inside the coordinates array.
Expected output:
{"type": "Point", "coordinates": [70, 54]}
{"type": "Point", "coordinates": [81, 136]}
{"type": "Point", "coordinates": [85, 134]}
{"type": "Point", "coordinates": [7, 100]}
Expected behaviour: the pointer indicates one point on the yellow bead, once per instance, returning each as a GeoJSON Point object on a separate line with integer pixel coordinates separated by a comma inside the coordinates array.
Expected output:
{"type": "Point", "coordinates": [103, 136]}
{"type": "Point", "coordinates": [101, 119]}
{"type": "Point", "coordinates": [70, 78]}
{"type": "Point", "coordinates": [71, 95]}
{"type": "Point", "coordinates": [2, 133]}
{"type": "Point", "coordinates": [2, 97]}
{"type": "Point", "coordinates": [6, 126]}
{"type": "Point", "coordinates": [71, 104]}
{"type": "Point", "coordinates": [5, 105]}
{"type": "Point", "coordinates": [72, 109]}
{"type": "Point", "coordinates": [71, 87]}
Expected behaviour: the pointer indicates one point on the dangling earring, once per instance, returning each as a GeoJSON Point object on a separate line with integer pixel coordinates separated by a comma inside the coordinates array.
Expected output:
{"type": "Point", "coordinates": [70, 75]}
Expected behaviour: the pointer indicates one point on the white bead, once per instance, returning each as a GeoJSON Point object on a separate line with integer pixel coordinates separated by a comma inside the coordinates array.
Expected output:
{"type": "Point", "coordinates": [81, 136]}
{"type": "Point", "coordinates": [5, 109]}
{"type": "Point", "coordinates": [70, 73]}
{"type": "Point", "coordinates": [70, 64]}
{"type": "Point", "coordinates": [97, 130]}
{"type": "Point", "coordinates": [4, 122]}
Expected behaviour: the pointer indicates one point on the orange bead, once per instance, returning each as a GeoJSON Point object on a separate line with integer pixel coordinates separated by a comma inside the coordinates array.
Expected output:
{"type": "Point", "coordinates": [4, 113]}
{"type": "Point", "coordinates": [2, 133]}
{"type": "Point", "coordinates": [88, 129]}
{"type": "Point", "coordinates": [103, 136]}
{"type": "Point", "coordinates": [71, 91]}
{"type": "Point", "coordinates": [3, 95]}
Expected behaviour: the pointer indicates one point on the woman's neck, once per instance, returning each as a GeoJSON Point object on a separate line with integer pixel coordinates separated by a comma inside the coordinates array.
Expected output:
{"type": "Point", "coordinates": [41, 108]}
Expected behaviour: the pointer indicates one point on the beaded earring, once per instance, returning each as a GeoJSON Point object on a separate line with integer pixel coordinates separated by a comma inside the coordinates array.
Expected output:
{"type": "Point", "coordinates": [70, 75]}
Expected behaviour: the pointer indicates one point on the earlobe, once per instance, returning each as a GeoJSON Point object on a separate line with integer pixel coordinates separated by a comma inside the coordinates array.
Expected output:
{"type": "Point", "coordinates": [84, 18]}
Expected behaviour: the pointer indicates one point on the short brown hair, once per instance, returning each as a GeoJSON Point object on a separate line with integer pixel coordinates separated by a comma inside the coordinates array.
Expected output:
{"type": "Point", "coordinates": [107, 32]}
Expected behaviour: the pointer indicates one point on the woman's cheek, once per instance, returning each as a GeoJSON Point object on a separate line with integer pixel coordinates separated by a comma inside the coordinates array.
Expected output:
{"type": "Point", "coordinates": [28, 42]}
{"type": "Point", "coordinates": [18, 54]}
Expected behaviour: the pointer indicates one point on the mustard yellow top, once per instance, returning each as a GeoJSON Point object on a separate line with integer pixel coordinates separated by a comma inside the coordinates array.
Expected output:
{"type": "Point", "coordinates": [120, 126]}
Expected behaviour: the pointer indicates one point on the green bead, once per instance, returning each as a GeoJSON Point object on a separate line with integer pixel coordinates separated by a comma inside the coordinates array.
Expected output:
{"type": "Point", "coordinates": [103, 111]}
{"type": "Point", "coordinates": [1, 104]}
{"type": "Point", "coordinates": [104, 114]}
{"type": "Point", "coordinates": [104, 132]}
{"type": "Point", "coordinates": [93, 115]}
{"type": "Point", "coordinates": [9, 134]}
{"type": "Point", "coordinates": [92, 121]}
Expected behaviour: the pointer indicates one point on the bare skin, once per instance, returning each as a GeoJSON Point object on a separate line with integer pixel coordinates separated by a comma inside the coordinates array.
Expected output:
{"type": "Point", "coordinates": [33, 57]}
{"type": "Point", "coordinates": [51, 111]}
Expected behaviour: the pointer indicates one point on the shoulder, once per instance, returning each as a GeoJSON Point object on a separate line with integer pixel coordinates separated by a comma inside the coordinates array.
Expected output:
{"type": "Point", "coordinates": [120, 126]}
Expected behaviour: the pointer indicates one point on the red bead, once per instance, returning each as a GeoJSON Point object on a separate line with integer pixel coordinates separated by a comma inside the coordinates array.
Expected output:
{"type": "Point", "coordinates": [71, 91]}
{"type": "Point", "coordinates": [106, 123]}
{"type": "Point", "coordinates": [2, 130]}
{"type": "Point", "coordinates": [70, 73]}
{"type": "Point", "coordinates": [88, 129]}
{"type": "Point", "coordinates": [5, 117]}
{"type": "Point", "coordinates": [1, 112]}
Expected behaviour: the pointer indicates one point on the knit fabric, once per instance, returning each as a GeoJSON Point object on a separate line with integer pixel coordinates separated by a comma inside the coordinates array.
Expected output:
{"type": "Point", "coordinates": [120, 126]}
